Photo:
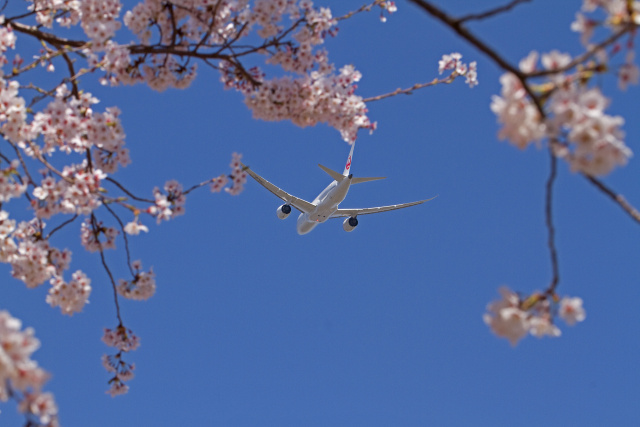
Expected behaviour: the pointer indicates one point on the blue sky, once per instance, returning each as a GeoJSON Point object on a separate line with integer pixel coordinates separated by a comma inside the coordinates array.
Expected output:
{"type": "Point", "coordinates": [253, 325]}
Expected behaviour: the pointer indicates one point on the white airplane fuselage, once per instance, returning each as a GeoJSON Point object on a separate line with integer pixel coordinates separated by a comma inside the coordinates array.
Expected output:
{"type": "Point", "coordinates": [326, 203]}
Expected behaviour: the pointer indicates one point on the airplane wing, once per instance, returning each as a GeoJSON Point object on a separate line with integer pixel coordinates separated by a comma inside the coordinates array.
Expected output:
{"type": "Point", "coordinates": [355, 212]}
{"type": "Point", "coordinates": [300, 204]}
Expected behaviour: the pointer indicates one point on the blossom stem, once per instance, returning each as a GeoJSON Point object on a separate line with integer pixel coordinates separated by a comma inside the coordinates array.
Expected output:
{"type": "Point", "coordinates": [553, 167]}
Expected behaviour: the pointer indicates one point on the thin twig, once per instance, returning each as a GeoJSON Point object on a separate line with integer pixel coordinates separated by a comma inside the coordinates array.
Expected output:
{"type": "Point", "coordinates": [409, 90]}
{"type": "Point", "coordinates": [69, 221]}
{"type": "Point", "coordinates": [363, 8]}
{"type": "Point", "coordinates": [618, 198]}
{"type": "Point", "coordinates": [190, 189]}
{"type": "Point", "coordinates": [555, 278]}
{"type": "Point", "coordinates": [489, 13]}
{"type": "Point", "coordinates": [124, 236]}
{"type": "Point", "coordinates": [94, 226]}
{"type": "Point", "coordinates": [592, 51]}
{"type": "Point", "coordinates": [457, 26]}
{"type": "Point", "coordinates": [127, 192]}
{"type": "Point", "coordinates": [464, 33]}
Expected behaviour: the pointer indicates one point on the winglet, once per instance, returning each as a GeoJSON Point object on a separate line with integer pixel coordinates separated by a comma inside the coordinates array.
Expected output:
{"type": "Point", "coordinates": [347, 167]}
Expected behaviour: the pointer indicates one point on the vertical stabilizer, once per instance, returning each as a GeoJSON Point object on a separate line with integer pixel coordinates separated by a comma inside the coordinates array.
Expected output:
{"type": "Point", "coordinates": [347, 167]}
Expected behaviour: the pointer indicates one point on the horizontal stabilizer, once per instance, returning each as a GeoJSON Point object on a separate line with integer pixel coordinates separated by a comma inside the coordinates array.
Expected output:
{"type": "Point", "coordinates": [333, 174]}
{"type": "Point", "coordinates": [359, 180]}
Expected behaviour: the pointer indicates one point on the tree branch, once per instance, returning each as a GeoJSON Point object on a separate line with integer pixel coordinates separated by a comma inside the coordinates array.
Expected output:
{"type": "Point", "coordinates": [490, 13]}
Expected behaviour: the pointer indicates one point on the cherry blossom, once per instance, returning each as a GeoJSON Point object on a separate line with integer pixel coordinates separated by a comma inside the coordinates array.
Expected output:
{"type": "Point", "coordinates": [595, 142]}
{"type": "Point", "coordinates": [90, 236]}
{"type": "Point", "coordinates": [505, 318]}
{"type": "Point", "coordinates": [141, 287]}
{"type": "Point", "coordinates": [629, 72]}
{"type": "Point", "coordinates": [521, 121]}
{"type": "Point", "coordinates": [512, 316]}
{"type": "Point", "coordinates": [121, 338]}
{"type": "Point", "coordinates": [571, 310]}
{"type": "Point", "coordinates": [124, 340]}
{"type": "Point", "coordinates": [70, 297]}
{"type": "Point", "coordinates": [135, 227]}
{"type": "Point", "coordinates": [18, 372]}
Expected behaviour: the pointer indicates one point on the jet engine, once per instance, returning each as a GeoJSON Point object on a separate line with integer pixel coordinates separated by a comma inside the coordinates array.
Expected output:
{"type": "Point", "coordinates": [284, 211]}
{"type": "Point", "coordinates": [350, 223]}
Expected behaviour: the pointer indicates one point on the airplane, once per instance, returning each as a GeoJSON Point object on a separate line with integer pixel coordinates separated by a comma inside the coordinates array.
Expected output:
{"type": "Point", "coordinates": [325, 206]}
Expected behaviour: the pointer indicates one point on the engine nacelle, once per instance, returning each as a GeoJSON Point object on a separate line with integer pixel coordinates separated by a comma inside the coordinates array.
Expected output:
{"type": "Point", "coordinates": [350, 223]}
{"type": "Point", "coordinates": [284, 211]}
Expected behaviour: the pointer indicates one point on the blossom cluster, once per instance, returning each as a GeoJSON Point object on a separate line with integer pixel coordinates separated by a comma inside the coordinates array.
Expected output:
{"type": "Point", "coordinates": [167, 30]}
{"type": "Point", "coordinates": [238, 177]}
{"type": "Point", "coordinates": [124, 340]}
{"type": "Point", "coordinates": [590, 140]}
{"type": "Point", "coordinates": [10, 185]}
{"type": "Point", "coordinates": [312, 99]}
{"type": "Point", "coordinates": [90, 232]}
{"type": "Point", "coordinates": [618, 13]}
{"type": "Point", "coordinates": [454, 62]}
{"type": "Point", "coordinates": [72, 296]}
{"type": "Point", "coordinates": [34, 261]}
{"type": "Point", "coordinates": [512, 317]}
{"type": "Point", "coordinates": [169, 205]}
{"type": "Point", "coordinates": [141, 287]}
{"type": "Point", "coordinates": [387, 6]}
{"type": "Point", "coordinates": [18, 372]}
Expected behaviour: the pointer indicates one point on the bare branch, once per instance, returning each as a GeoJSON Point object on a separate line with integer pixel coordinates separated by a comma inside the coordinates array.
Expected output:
{"type": "Point", "coordinates": [48, 37]}
{"type": "Point", "coordinates": [585, 56]}
{"type": "Point", "coordinates": [551, 243]}
{"type": "Point", "coordinates": [490, 13]}
{"type": "Point", "coordinates": [127, 192]}
{"type": "Point", "coordinates": [409, 90]}
{"type": "Point", "coordinates": [69, 221]}
{"type": "Point", "coordinates": [124, 236]}
{"type": "Point", "coordinates": [94, 227]}
{"type": "Point", "coordinates": [480, 45]}
{"type": "Point", "coordinates": [618, 198]}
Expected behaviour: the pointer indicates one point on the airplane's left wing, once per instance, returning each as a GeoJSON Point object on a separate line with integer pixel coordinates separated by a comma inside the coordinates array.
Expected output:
{"type": "Point", "coordinates": [340, 213]}
{"type": "Point", "coordinates": [300, 204]}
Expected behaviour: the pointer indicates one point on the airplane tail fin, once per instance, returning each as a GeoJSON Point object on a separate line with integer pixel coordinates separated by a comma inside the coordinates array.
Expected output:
{"type": "Point", "coordinates": [347, 167]}
{"type": "Point", "coordinates": [333, 174]}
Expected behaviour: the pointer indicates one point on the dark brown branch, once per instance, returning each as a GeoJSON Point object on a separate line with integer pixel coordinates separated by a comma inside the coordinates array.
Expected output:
{"type": "Point", "coordinates": [618, 198]}
{"type": "Point", "coordinates": [585, 56]}
{"type": "Point", "coordinates": [124, 237]}
{"type": "Point", "coordinates": [551, 240]}
{"type": "Point", "coordinates": [48, 37]}
{"type": "Point", "coordinates": [457, 26]}
{"type": "Point", "coordinates": [67, 222]}
{"type": "Point", "coordinates": [409, 90]}
{"type": "Point", "coordinates": [72, 74]}
{"type": "Point", "coordinates": [127, 192]}
{"type": "Point", "coordinates": [489, 13]}
{"type": "Point", "coordinates": [94, 227]}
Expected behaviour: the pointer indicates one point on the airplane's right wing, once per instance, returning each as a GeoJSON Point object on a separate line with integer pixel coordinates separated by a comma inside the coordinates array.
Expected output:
{"type": "Point", "coordinates": [340, 213]}
{"type": "Point", "coordinates": [300, 204]}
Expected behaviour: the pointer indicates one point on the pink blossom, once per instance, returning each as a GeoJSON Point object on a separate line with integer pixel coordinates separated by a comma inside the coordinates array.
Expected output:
{"type": "Point", "coordinates": [121, 338]}
{"type": "Point", "coordinates": [571, 310]}
{"type": "Point", "coordinates": [505, 318]}
{"type": "Point", "coordinates": [555, 60]}
{"type": "Point", "coordinates": [134, 227]}
{"type": "Point", "coordinates": [70, 297]}
{"type": "Point", "coordinates": [520, 118]}
{"type": "Point", "coordinates": [19, 371]}
{"type": "Point", "coordinates": [141, 287]}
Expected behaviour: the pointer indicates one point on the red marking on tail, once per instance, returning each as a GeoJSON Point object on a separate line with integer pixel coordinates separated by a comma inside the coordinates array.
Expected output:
{"type": "Point", "coordinates": [348, 163]}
